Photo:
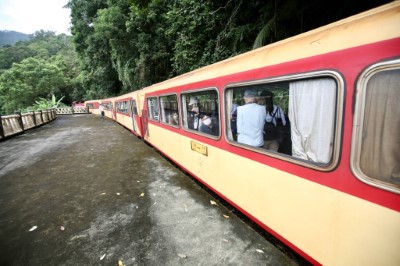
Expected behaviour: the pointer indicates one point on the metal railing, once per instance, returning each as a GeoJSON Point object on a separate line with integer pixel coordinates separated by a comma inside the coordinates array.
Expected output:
{"type": "Point", "coordinates": [72, 110]}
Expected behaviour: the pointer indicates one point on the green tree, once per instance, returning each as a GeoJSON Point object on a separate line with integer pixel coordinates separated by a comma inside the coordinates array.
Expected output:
{"type": "Point", "coordinates": [97, 76]}
{"type": "Point", "coordinates": [26, 82]}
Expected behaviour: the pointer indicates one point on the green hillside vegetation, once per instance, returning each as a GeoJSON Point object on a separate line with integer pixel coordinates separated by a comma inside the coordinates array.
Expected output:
{"type": "Point", "coordinates": [37, 69]}
{"type": "Point", "coordinates": [11, 37]}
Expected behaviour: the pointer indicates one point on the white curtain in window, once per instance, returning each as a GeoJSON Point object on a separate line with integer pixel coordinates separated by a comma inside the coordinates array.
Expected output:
{"type": "Point", "coordinates": [228, 108]}
{"type": "Point", "coordinates": [312, 117]}
{"type": "Point", "coordinates": [163, 117]}
{"type": "Point", "coordinates": [184, 111]}
{"type": "Point", "coordinates": [380, 153]}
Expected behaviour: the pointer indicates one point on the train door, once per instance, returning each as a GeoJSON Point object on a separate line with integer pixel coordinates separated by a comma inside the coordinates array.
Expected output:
{"type": "Point", "coordinates": [134, 114]}
{"type": "Point", "coordinates": [114, 111]}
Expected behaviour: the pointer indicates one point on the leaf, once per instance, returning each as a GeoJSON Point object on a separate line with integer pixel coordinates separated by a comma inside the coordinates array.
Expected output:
{"type": "Point", "coordinates": [62, 228]}
{"type": "Point", "coordinates": [260, 251]}
{"type": "Point", "coordinates": [102, 257]}
{"type": "Point", "coordinates": [213, 203]}
{"type": "Point", "coordinates": [142, 195]}
{"type": "Point", "coordinates": [182, 255]}
{"type": "Point", "coordinates": [33, 228]}
{"type": "Point", "coordinates": [118, 193]}
{"type": "Point", "coordinates": [225, 216]}
{"type": "Point", "coordinates": [120, 263]}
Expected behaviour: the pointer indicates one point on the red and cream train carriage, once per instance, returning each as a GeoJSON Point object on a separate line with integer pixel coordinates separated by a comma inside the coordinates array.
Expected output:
{"type": "Point", "coordinates": [331, 192]}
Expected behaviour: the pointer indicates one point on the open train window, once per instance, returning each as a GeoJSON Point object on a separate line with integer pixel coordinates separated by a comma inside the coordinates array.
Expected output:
{"type": "Point", "coordinates": [169, 110]}
{"type": "Point", "coordinates": [292, 118]}
{"type": "Point", "coordinates": [152, 105]}
{"type": "Point", "coordinates": [200, 112]}
{"type": "Point", "coordinates": [376, 129]}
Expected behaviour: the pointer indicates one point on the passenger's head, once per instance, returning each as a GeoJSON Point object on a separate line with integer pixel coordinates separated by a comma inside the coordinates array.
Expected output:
{"type": "Point", "coordinates": [192, 101]}
{"type": "Point", "coordinates": [206, 120]}
{"type": "Point", "coordinates": [268, 100]}
{"type": "Point", "coordinates": [250, 95]}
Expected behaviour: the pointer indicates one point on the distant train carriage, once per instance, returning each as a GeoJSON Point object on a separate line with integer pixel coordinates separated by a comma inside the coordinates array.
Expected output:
{"type": "Point", "coordinates": [93, 106]}
{"type": "Point", "coordinates": [109, 108]}
{"type": "Point", "coordinates": [127, 112]}
{"type": "Point", "coordinates": [329, 185]}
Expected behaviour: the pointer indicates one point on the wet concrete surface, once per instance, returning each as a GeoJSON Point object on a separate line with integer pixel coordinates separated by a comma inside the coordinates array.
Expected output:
{"type": "Point", "coordinates": [99, 195]}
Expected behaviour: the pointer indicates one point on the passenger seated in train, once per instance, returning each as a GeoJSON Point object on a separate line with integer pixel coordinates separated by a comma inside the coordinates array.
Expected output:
{"type": "Point", "coordinates": [174, 119]}
{"type": "Point", "coordinates": [209, 126]}
{"type": "Point", "coordinates": [250, 120]}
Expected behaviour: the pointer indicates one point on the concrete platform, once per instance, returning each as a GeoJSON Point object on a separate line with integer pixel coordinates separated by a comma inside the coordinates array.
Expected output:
{"type": "Point", "coordinates": [97, 195]}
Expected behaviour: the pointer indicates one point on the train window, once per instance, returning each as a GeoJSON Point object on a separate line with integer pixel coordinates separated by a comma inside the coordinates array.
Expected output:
{"type": "Point", "coordinates": [122, 107]}
{"type": "Point", "coordinates": [376, 141]}
{"type": "Point", "coordinates": [134, 107]}
{"type": "Point", "coordinates": [89, 105]}
{"type": "Point", "coordinates": [169, 110]}
{"type": "Point", "coordinates": [107, 106]}
{"type": "Point", "coordinates": [152, 105]}
{"type": "Point", "coordinates": [293, 119]}
{"type": "Point", "coordinates": [200, 112]}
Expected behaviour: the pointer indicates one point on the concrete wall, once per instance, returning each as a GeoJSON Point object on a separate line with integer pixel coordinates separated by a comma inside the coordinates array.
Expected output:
{"type": "Point", "coordinates": [13, 124]}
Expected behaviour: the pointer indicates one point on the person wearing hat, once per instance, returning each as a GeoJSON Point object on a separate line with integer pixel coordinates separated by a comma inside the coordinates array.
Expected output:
{"type": "Point", "coordinates": [250, 120]}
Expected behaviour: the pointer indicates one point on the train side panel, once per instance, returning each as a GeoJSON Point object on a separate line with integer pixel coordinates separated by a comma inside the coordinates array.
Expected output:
{"type": "Point", "coordinates": [328, 216]}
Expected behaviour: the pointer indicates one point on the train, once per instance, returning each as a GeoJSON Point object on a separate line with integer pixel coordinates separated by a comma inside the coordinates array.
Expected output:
{"type": "Point", "coordinates": [331, 190]}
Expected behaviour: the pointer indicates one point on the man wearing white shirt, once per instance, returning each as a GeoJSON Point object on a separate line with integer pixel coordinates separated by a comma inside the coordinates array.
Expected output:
{"type": "Point", "coordinates": [250, 120]}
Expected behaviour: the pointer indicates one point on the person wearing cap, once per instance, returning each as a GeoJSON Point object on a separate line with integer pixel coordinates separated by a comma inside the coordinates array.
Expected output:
{"type": "Point", "coordinates": [208, 127]}
{"type": "Point", "coordinates": [250, 120]}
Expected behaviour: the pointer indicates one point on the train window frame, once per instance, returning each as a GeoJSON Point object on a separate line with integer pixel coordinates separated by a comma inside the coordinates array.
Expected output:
{"type": "Point", "coordinates": [162, 110]}
{"type": "Point", "coordinates": [358, 125]}
{"type": "Point", "coordinates": [337, 119]}
{"type": "Point", "coordinates": [150, 113]}
{"type": "Point", "coordinates": [184, 116]}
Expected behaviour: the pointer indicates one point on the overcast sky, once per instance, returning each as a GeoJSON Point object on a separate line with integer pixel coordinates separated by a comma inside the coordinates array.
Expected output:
{"type": "Point", "coordinates": [28, 16]}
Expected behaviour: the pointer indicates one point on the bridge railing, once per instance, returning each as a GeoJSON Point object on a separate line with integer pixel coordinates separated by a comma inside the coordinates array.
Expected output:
{"type": "Point", "coordinates": [17, 123]}
{"type": "Point", "coordinates": [72, 110]}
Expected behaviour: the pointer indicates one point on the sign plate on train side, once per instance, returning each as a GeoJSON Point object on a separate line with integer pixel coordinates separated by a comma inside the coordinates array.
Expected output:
{"type": "Point", "coordinates": [200, 148]}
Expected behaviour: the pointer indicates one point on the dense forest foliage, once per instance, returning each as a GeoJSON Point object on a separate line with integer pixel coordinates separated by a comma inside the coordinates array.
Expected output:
{"type": "Point", "coordinates": [124, 45]}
